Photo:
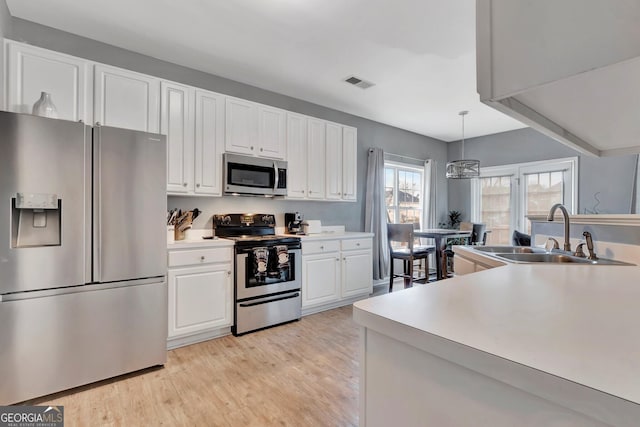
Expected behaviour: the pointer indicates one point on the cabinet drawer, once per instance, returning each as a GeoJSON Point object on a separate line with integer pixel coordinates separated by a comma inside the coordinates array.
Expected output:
{"type": "Point", "coordinates": [320, 247]}
{"type": "Point", "coordinates": [351, 244]}
{"type": "Point", "coordinates": [199, 256]}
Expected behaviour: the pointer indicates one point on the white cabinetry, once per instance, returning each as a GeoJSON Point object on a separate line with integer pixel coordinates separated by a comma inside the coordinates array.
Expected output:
{"type": "Point", "coordinates": [334, 161]}
{"type": "Point", "coordinates": [341, 167]}
{"type": "Point", "coordinates": [32, 70]}
{"type": "Point", "coordinates": [316, 159]}
{"type": "Point", "coordinates": [335, 272]}
{"type": "Point", "coordinates": [177, 123]}
{"type": "Point", "coordinates": [254, 129]}
{"type": "Point", "coordinates": [296, 156]}
{"type": "Point", "coordinates": [357, 272]}
{"type": "Point", "coordinates": [465, 262]}
{"type": "Point", "coordinates": [126, 99]}
{"type": "Point", "coordinates": [272, 139]}
{"type": "Point", "coordinates": [349, 163]}
{"type": "Point", "coordinates": [209, 142]}
{"type": "Point", "coordinates": [200, 294]}
{"type": "Point", "coordinates": [320, 272]}
{"type": "Point", "coordinates": [193, 121]}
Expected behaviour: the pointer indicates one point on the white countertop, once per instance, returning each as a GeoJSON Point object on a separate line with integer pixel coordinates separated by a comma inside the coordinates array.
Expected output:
{"type": "Point", "coordinates": [336, 235]}
{"type": "Point", "coordinates": [580, 323]}
{"type": "Point", "coordinates": [199, 243]}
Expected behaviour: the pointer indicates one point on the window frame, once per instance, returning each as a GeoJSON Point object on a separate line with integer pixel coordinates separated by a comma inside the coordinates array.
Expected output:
{"type": "Point", "coordinates": [517, 173]}
{"type": "Point", "coordinates": [410, 168]}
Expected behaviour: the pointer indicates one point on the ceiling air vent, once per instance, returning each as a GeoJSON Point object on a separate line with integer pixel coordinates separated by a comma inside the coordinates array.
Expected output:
{"type": "Point", "coordinates": [362, 84]}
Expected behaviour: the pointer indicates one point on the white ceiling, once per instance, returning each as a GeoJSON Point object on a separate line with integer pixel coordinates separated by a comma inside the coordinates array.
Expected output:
{"type": "Point", "coordinates": [419, 53]}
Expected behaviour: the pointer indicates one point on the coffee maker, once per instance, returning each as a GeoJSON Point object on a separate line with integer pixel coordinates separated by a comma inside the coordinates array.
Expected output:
{"type": "Point", "coordinates": [293, 222]}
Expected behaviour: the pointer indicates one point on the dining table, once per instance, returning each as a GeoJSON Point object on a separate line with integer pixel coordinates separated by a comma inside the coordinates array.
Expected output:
{"type": "Point", "coordinates": [440, 235]}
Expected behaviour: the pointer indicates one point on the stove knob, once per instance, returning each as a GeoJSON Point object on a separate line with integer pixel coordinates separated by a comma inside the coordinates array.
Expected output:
{"type": "Point", "coordinates": [268, 219]}
{"type": "Point", "coordinates": [226, 219]}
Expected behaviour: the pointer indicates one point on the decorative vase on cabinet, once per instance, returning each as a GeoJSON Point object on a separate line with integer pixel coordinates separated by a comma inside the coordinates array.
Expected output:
{"type": "Point", "coordinates": [44, 106]}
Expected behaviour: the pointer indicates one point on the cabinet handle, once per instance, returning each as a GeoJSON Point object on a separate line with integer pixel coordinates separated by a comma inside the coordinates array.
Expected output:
{"type": "Point", "coordinates": [98, 124]}
{"type": "Point", "coordinates": [228, 273]}
{"type": "Point", "coordinates": [344, 259]}
{"type": "Point", "coordinates": [202, 258]}
{"type": "Point", "coordinates": [302, 191]}
{"type": "Point", "coordinates": [310, 191]}
{"type": "Point", "coordinates": [184, 184]}
{"type": "Point", "coordinates": [338, 259]}
{"type": "Point", "coordinates": [339, 194]}
{"type": "Point", "coordinates": [322, 247]}
{"type": "Point", "coordinates": [357, 244]}
{"type": "Point", "coordinates": [252, 147]}
{"type": "Point", "coordinates": [198, 185]}
{"type": "Point", "coordinates": [261, 149]}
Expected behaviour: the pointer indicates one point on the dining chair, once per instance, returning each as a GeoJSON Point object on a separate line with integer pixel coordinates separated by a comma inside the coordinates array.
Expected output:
{"type": "Point", "coordinates": [402, 246]}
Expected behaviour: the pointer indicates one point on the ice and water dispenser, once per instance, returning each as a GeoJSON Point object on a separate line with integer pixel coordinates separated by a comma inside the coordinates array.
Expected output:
{"type": "Point", "coordinates": [36, 220]}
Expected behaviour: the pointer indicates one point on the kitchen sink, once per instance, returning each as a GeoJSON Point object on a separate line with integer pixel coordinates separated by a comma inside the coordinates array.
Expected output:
{"type": "Point", "coordinates": [509, 249]}
{"type": "Point", "coordinates": [551, 257]}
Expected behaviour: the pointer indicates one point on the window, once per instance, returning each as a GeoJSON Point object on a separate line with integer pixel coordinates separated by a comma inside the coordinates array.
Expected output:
{"type": "Point", "coordinates": [403, 192]}
{"type": "Point", "coordinates": [503, 196]}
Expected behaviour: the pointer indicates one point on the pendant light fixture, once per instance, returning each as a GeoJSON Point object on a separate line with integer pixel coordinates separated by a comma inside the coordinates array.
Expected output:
{"type": "Point", "coordinates": [465, 168]}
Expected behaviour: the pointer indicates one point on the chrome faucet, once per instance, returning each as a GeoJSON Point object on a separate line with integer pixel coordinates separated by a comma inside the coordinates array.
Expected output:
{"type": "Point", "coordinates": [592, 253]}
{"type": "Point", "coordinates": [565, 214]}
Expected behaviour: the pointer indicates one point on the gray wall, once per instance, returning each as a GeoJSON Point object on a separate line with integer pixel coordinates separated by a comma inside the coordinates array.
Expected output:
{"type": "Point", "coordinates": [370, 134]}
{"type": "Point", "coordinates": [611, 177]}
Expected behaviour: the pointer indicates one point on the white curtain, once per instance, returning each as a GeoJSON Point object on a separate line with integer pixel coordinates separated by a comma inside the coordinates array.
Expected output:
{"type": "Point", "coordinates": [376, 213]}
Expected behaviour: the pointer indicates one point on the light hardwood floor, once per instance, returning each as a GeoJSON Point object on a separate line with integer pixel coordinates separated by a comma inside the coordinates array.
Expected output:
{"type": "Point", "coordinates": [301, 374]}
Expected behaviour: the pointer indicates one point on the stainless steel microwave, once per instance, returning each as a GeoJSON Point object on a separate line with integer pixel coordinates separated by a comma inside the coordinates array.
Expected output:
{"type": "Point", "coordinates": [254, 175]}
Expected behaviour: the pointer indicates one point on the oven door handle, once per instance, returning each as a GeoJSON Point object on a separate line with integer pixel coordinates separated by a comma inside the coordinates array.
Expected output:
{"type": "Point", "coordinates": [251, 304]}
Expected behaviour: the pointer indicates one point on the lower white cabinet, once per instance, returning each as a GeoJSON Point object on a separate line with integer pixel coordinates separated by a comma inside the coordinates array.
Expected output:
{"type": "Point", "coordinates": [200, 294]}
{"type": "Point", "coordinates": [357, 273]}
{"type": "Point", "coordinates": [320, 278]}
{"type": "Point", "coordinates": [334, 272]}
{"type": "Point", "coordinates": [463, 265]}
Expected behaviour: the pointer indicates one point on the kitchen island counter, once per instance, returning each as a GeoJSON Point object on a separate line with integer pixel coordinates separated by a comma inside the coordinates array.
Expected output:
{"type": "Point", "coordinates": [567, 337]}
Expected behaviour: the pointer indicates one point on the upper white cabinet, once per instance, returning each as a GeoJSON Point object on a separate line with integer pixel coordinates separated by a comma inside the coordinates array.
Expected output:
{"type": "Point", "coordinates": [272, 138]}
{"type": "Point", "coordinates": [341, 171]}
{"type": "Point", "coordinates": [334, 161]}
{"type": "Point", "coordinates": [349, 163]}
{"type": "Point", "coordinates": [568, 69]}
{"type": "Point", "coordinates": [209, 142]}
{"type": "Point", "coordinates": [241, 126]}
{"type": "Point", "coordinates": [126, 99]}
{"type": "Point", "coordinates": [255, 129]}
{"type": "Point", "coordinates": [193, 121]}
{"type": "Point", "coordinates": [177, 123]}
{"type": "Point", "coordinates": [32, 70]}
{"type": "Point", "coordinates": [316, 158]}
{"type": "Point", "coordinates": [296, 156]}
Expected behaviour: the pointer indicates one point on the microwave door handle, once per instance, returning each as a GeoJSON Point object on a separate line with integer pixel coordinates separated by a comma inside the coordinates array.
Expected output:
{"type": "Point", "coordinates": [275, 182]}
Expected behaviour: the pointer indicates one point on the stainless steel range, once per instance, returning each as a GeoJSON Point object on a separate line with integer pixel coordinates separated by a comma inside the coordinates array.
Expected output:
{"type": "Point", "coordinates": [267, 271]}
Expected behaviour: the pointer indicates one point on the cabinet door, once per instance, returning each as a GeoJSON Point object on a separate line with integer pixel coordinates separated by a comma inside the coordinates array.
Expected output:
{"type": "Point", "coordinates": [126, 99]}
{"type": "Point", "coordinates": [272, 140]}
{"type": "Point", "coordinates": [177, 123]}
{"type": "Point", "coordinates": [462, 266]}
{"type": "Point", "coordinates": [349, 163]}
{"type": "Point", "coordinates": [316, 156]}
{"type": "Point", "coordinates": [334, 162]}
{"type": "Point", "coordinates": [209, 142]}
{"type": "Point", "coordinates": [32, 70]}
{"type": "Point", "coordinates": [200, 299]}
{"type": "Point", "coordinates": [296, 156]}
{"type": "Point", "coordinates": [320, 279]}
{"type": "Point", "coordinates": [357, 273]}
{"type": "Point", "coordinates": [241, 126]}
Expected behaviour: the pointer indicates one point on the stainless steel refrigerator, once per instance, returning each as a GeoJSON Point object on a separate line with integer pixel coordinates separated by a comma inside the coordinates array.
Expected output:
{"type": "Point", "coordinates": [83, 292]}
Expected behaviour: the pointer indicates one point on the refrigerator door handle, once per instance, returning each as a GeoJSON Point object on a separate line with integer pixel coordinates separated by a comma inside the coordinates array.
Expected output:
{"type": "Point", "coordinates": [97, 228]}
